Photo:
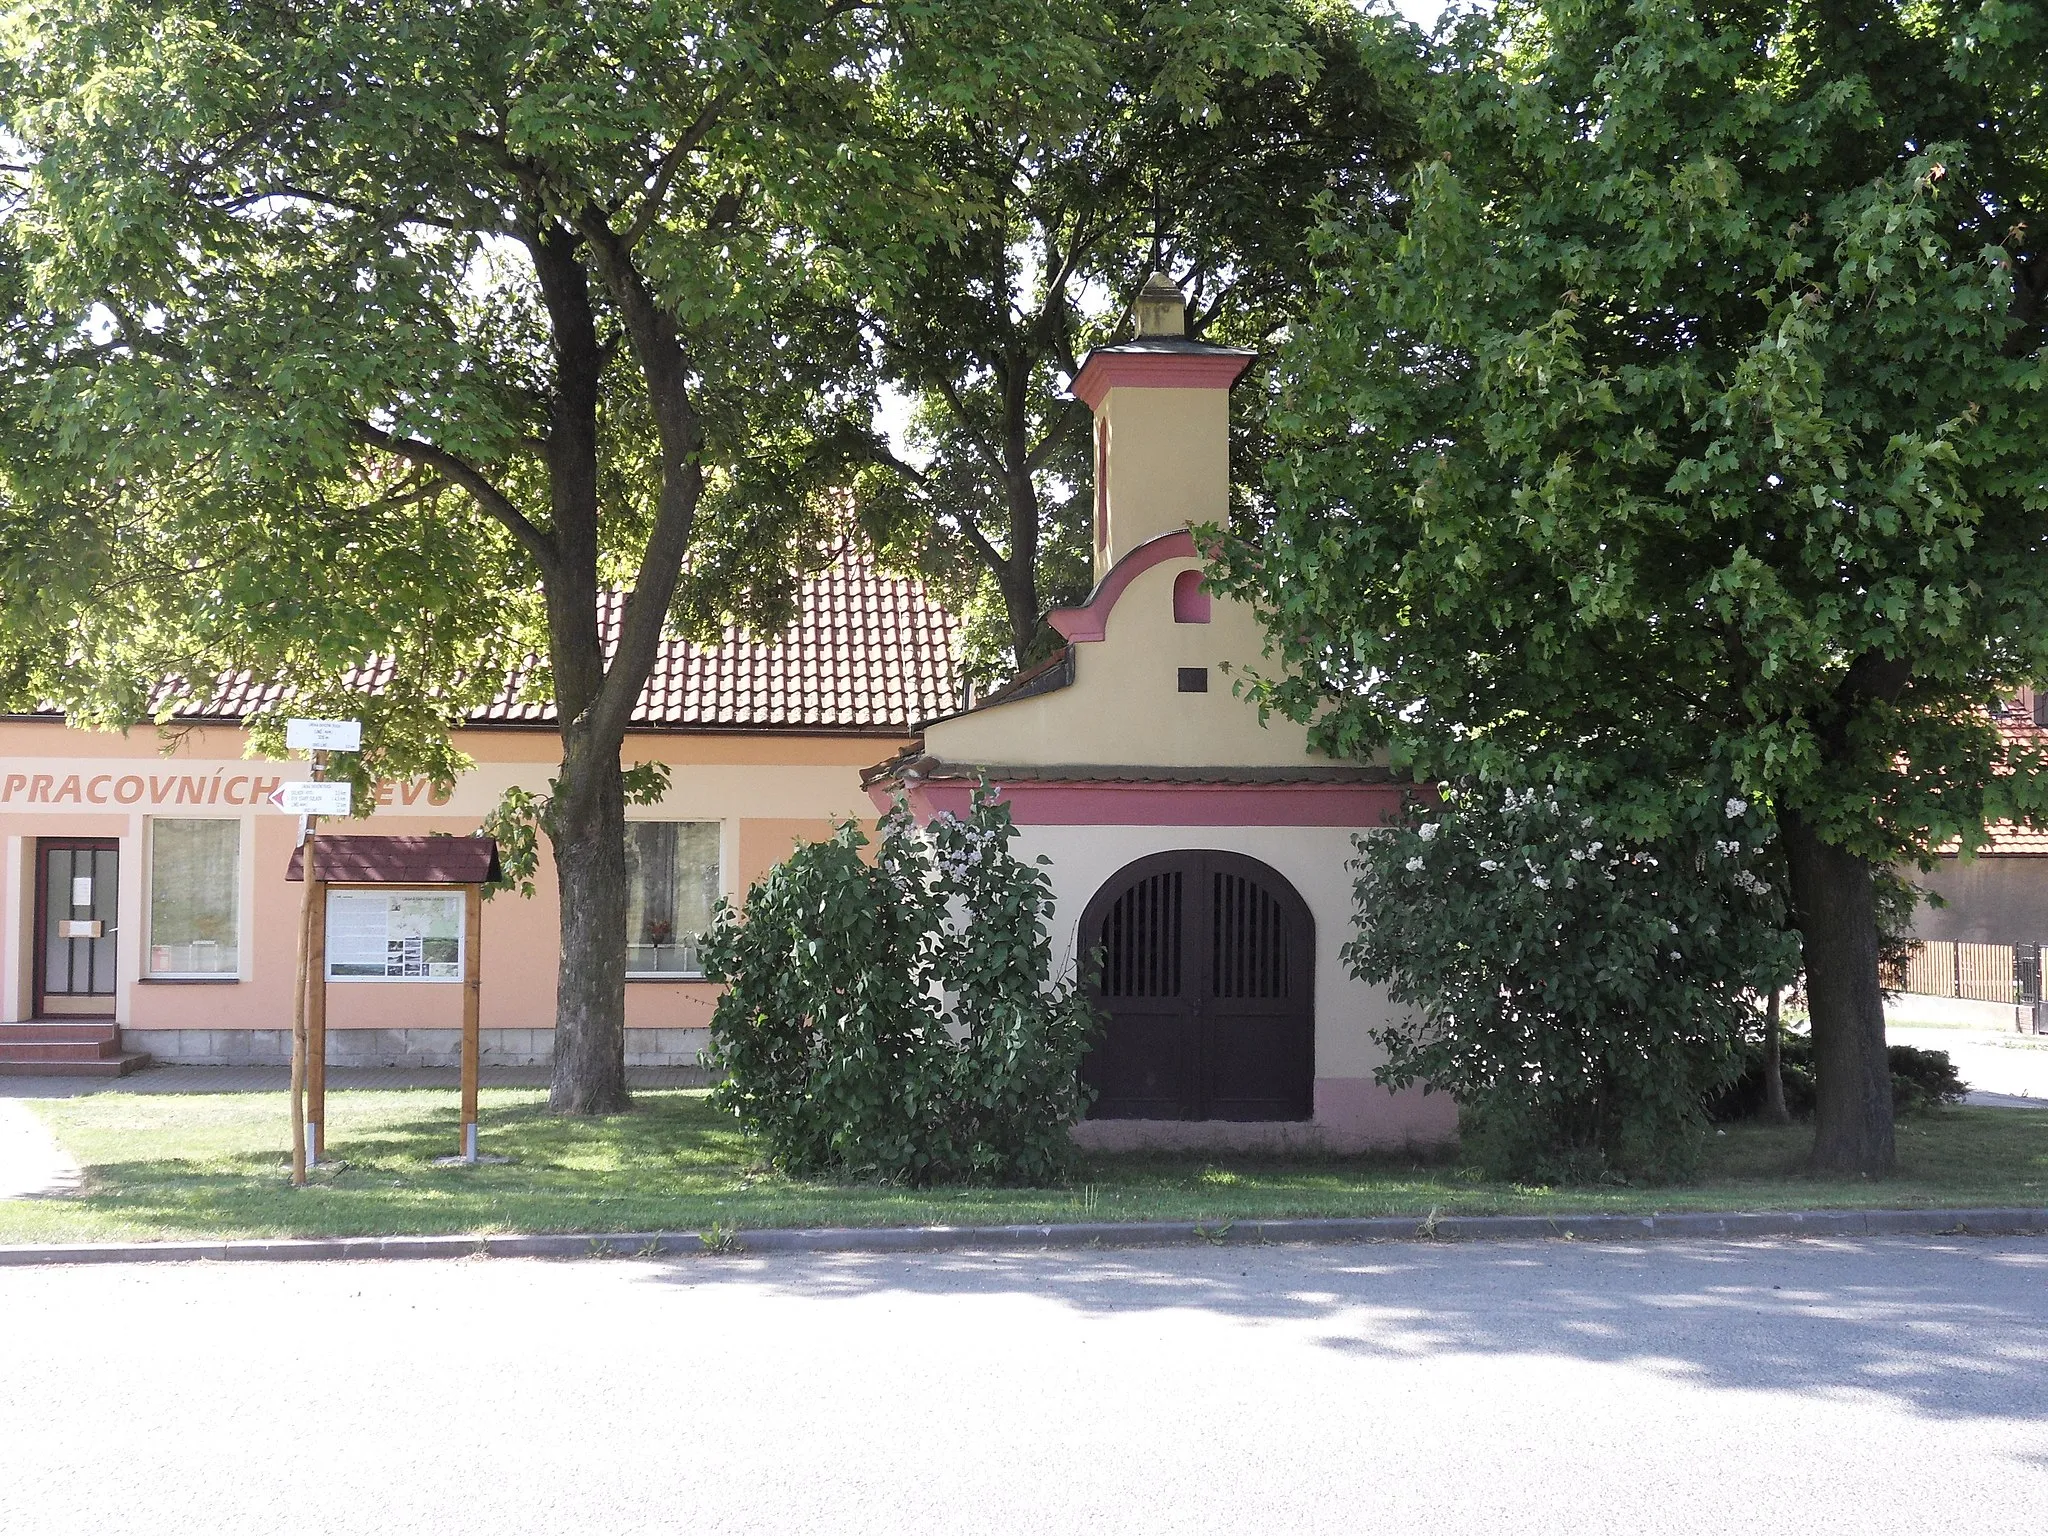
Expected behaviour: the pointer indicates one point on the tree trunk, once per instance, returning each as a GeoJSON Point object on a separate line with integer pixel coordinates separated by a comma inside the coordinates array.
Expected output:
{"type": "Point", "coordinates": [1835, 908]}
{"type": "Point", "coordinates": [1774, 1065]}
{"type": "Point", "coordinates": [589, 835]}
{"type": "Point", "coordinates": [1018, 583]}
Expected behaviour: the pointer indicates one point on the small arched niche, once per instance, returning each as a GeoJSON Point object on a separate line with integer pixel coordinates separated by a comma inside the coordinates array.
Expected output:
{"type": "Point", "coordinates": [1190, 602]}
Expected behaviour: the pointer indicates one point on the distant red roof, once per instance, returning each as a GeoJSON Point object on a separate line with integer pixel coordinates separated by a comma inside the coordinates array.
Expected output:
{"type": "Point", "coordinates": [868, 652]}
{"type": "Point", "coordinates": [349, 859]}
{"type": "Point", "coordinates": [2009, 839]}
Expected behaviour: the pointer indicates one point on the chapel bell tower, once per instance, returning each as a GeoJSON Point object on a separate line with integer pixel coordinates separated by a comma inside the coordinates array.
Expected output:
{"type": "Point", "coordinates": [1162, 426]}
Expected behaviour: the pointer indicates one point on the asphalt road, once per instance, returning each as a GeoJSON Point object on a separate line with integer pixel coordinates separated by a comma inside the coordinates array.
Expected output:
{"type": "Point", "coordinates": [1871, 1386]}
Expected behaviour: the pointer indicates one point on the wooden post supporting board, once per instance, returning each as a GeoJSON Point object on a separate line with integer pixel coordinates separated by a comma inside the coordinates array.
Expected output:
{"type": "Point", "coordinates": [316, 1021]}
{"type": "Point", "coordinates": [472, 1003]}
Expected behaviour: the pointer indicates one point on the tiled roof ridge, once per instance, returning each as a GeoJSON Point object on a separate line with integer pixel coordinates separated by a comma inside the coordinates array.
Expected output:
{"type": "Point", "coordinates": [865, 651]}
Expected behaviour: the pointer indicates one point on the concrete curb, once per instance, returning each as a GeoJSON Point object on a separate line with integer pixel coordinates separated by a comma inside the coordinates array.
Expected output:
{"type": "Point", "coordinates": [1099, 1234]}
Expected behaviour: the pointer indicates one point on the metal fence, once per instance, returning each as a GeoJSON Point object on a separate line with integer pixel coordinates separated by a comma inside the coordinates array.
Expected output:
{"type": "Point", "coordinates": [1986, 973]}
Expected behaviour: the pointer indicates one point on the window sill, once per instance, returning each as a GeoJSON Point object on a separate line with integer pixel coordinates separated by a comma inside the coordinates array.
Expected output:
{"type": "Point", "coordinates": [189, 981]}
{"type": "Point", "coordinates": [690, 976]}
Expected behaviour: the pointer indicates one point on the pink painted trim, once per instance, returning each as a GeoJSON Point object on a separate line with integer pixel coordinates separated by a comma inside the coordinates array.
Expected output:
{"type": "Point", "coordinates": [1190, 602]}
{"type": "Point", "coordinates": [1104, 371]}
{"type": "Point", "coordinates": [1091, 620]}
{"type": "Point", "coordinates": [1166, 804]}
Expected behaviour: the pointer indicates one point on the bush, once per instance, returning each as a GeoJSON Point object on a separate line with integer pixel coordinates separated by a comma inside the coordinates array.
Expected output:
{"type": "Point", "coordinates": [896, 1017]}
{"type": "Point", "coordinates": [1920, 1080]}
{"type": "Point", "coordinates": [1581, 993]}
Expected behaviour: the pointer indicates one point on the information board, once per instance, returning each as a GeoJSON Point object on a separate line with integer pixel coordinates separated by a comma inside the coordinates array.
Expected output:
{"type": "Point", "coordinates": [395, 935]}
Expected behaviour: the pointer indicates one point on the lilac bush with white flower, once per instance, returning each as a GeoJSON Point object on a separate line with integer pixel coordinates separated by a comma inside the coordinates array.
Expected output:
{"type": "Point", "coordinates": [1579, 990]}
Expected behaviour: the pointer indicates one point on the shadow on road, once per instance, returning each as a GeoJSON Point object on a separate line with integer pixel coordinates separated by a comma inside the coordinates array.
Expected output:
{"type": "Point", "coordinates": [1955, 1328]}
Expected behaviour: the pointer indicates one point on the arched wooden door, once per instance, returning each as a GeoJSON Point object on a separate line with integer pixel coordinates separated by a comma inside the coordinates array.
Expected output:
{"type": "Point", "coordinates": [1207, 979]}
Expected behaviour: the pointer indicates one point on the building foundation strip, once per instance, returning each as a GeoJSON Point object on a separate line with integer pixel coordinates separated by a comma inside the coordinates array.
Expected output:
{"type": "Point", "coordinates": [1592, 1227]}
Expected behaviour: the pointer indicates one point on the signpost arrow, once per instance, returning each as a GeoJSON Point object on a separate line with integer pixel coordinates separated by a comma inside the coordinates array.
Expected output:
{"type": "Point", "coordinates": [311, 798]}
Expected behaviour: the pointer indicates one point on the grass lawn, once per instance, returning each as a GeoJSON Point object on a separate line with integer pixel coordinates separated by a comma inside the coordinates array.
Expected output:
{"type": "Point", "coordinates": [212, 1165]}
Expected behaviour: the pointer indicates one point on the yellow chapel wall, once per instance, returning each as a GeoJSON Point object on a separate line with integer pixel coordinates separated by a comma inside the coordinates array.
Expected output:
{"type": "Point", "coordinates": [1125, 707]}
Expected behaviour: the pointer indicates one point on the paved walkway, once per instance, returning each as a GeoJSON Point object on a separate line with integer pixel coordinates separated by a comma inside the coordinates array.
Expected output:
{"type": "Point", "coordinates": [1873, 1386]}
{"type": "Point", "coordinates": [2002, 1067]}
{"type": "Point", "coordinates": [32, 1165]}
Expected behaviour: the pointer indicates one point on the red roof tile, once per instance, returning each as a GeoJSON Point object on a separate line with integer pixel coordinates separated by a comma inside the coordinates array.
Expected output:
{"type": "Point", "coordinates": [867, 652]}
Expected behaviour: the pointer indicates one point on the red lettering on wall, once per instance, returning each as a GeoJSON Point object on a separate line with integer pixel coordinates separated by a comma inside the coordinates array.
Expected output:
{"type": "Point", "coordinates": [39, 787]}
{"type": "Point", "coordinates": [14, 781]}
{"type": "Point", "coordinates": [261, 789]}
{"type": "Point", "coordinates": [68, 790]}
{"type": "Point", "coordinates": [93, 791]}
{"type": "Point", "coordinates": [160, 789]}
{"type": "Point", "coordinates": [232, 797]}
{"type": "Point", "coordinates": [384, 791]}
{"type": "Point", "coordinates": [126, 794]}
{"type": "Point", "coordinates": [192, 791]}
{"type": "Point", "coordinates": [441, 795]}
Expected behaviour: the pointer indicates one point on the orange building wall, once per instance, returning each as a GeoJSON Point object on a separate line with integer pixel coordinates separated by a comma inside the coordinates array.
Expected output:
{"type": "Point", "coordinates": [765, 791]}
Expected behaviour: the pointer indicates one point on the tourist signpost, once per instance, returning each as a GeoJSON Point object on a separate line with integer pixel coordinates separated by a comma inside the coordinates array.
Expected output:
{"type": "Point", "coordinates": [310, 801]}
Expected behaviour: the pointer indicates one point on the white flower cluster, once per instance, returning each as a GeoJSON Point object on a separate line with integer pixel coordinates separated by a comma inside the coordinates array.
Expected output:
{"type": "Point", "coordinates": [1735, 808]}
{"type": "Point", "coordinates": [1751, 883]}
{"type": "Point", "coordinates": [975, 846]}
{"type": "Point", "coordinates": [1414, 866]}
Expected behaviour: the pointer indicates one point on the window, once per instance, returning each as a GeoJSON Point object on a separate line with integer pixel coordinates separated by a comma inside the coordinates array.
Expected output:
{"type": "Point", "coordinates": [671, 886]}
{"type": "Point", "coordinates": [1190, 602]}
{"type": "Point", "coordinates": [195, 890]}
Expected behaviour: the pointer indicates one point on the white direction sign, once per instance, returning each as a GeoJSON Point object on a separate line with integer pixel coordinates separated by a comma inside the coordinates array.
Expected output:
{"type": "Point", "coordinates": [305, 797]}
{"type": "Point", "coordinates": [323, 736]}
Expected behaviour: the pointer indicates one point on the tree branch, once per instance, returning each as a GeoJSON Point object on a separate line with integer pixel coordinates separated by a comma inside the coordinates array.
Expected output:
{"type": "Point", "coordinates": [457, 471]}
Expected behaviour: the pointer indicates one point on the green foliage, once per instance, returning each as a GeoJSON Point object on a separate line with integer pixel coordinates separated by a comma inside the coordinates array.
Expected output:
{"type": "Point", "coordinates": [1581, 993]}
{"type": "Point", "coordinates": [1196, 146]}
{"type": "Point", "coordinates": [1683, 417]}
{"type": "Point", "coordinates": [895, 1016]}
{"type": "Point", "coordinates": [1921, 1080]}
{"type": "Point", "coordinates": [1680, 424]}
{"type": "Point", "coordinates": [520, 816]}
{"type": "Point", "coordinates": [408, 329]}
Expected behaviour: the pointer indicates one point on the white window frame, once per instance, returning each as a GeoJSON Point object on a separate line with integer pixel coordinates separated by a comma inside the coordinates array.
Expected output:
{"type": "Point", "coordinates": [724, 862]}
{"type": "Point", "coordinates": [244, 841]}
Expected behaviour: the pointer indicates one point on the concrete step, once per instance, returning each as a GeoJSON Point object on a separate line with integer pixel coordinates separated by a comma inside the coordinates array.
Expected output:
{"type": "Point", "coordinates": [59, 1029]}
{"type": "Point", "coordinates": [18, 1049]}
{"type": "Point", "coordinates": [108, 1066]}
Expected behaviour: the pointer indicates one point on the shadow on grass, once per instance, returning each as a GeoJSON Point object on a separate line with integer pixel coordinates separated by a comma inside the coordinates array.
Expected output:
{"type": "Point", "coordinates": [189, 1166]}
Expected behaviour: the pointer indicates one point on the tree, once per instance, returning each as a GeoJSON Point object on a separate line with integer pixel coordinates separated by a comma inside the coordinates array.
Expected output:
{"type": "Point", "coordinates": [1200, 154]}
{"type": "Point", "coordinates": [1683, 421]}
{"type": "Point", "coordinates": [414, 328]}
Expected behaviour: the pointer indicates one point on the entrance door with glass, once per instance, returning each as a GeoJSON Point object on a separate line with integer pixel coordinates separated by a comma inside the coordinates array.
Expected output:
{"type": "Point", "coordinates": [78, 888]}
